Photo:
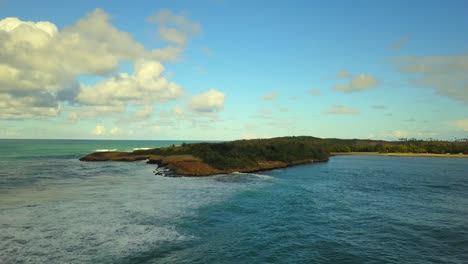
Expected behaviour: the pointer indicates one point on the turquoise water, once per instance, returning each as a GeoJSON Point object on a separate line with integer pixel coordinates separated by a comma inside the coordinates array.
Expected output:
{"type": "Point", "coordinates": [353, 209]}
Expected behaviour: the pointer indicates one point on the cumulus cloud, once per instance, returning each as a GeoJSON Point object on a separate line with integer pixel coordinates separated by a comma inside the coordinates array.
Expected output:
{"type": "Point", "coordinates": [178, 111]}
{"type": "Point", "coordinates": [147, 85]}
{"type": "Point", "coordinates": [341, 110]}
{"type": "Point", "coordinates": [92, 46]}
{"type": "Point", "coordinates": [40, 65]}
{"type": "Point", "coordinates": [165, 17]}
{"type": "Point", "coordinates": [446, 75]}
{"type": "Point", "coordinates": [358, 82]}
{"type": "Point", "coordinates": [460, 124]}
{"type": "Point", "coordinates": [79, 113]}
{"type": "Point", "coordinates": [144, 113]}
{"type": "Point", "coordinates": [99, 130]}
{"type": "Point", "coordinates": [176, 30]}
{"type": "Point", "coordinates": [167, 54]}
{"type": "Point", "coordinates": [269, 96]}
{"type": "Point", "coordinates": [207, 102]}
{"type": "Point", "coordinates": [28, 106]}
{"type": "Point", "coordinates": [172, 35]}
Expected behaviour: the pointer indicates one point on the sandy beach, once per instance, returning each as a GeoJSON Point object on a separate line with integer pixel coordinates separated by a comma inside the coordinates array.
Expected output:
{"type": "Point", "coordinates": [403, 154]}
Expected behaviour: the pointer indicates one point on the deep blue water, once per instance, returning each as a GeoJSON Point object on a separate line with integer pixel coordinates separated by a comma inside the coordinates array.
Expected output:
{"type": "Point", "coordinates": [353, 209]}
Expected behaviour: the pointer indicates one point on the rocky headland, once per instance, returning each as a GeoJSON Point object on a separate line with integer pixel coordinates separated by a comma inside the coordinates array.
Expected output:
{"type": "Point", "coordinates": [203, 159]}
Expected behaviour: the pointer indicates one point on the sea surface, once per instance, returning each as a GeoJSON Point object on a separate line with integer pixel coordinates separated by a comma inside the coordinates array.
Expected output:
{"type": "Point", "coordinates": [352, 209]}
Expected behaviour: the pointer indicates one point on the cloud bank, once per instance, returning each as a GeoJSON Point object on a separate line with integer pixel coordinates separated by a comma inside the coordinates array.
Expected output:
{"type": "Point", "coordinates": [41, 65]}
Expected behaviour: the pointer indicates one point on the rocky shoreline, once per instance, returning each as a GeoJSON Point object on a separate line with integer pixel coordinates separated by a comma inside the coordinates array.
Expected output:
{"type": "Point", "coordinates": [188, 165]}
{"type": "Point", "coordinates": [211, 158]}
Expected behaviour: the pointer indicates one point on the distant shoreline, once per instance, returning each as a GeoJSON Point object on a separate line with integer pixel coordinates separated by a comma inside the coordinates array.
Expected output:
{"type": "Point", "coordinates": [433, 155]}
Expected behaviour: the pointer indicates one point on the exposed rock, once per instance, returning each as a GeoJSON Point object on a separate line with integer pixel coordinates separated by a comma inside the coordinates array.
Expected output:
{"type": "Point", "coordinates": [203, 159]}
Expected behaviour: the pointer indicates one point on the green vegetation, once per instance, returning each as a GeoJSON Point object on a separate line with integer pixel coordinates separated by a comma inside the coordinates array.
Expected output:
{"type": "Point", "coordinates": [201, 159]}
{"type": "Point", "coordinates": [247, 153]}
{"type": "Point", "coordinates": [403, 145]}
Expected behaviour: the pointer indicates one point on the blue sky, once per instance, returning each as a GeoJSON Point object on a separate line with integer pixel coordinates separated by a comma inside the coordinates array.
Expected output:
{"type": "Point", "coordinates": [221, 69]}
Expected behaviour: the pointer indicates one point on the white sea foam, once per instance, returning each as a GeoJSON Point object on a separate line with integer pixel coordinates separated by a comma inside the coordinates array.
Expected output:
{"type": "Point", "coordinates": [104, 150]}
{"type": "Point", "coordinates": [141, 148]}
{"type": "Point", "coordinates": [106, 216]}
{"type": "Point", "coordinates": [262, 176]}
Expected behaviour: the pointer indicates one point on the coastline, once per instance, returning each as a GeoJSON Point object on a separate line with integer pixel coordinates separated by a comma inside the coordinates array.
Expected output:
{"type": "Point", "coordinates": [204, 159]}
{"type": "Point", "coordinates": [427, 155]}
{"type": "Point", "coordinates": [188, 165]}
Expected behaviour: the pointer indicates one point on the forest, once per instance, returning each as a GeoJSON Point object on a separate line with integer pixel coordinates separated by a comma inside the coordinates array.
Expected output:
{"type": "Point", "coordinates": [403, 145]}
{"type": "Point", "coordinates": [290, 150]}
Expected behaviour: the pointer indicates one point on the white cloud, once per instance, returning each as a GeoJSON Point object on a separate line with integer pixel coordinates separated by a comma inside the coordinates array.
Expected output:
{"type": "Point", "coordinates": [172, 35]}
{"type": "Point", "coordinates": [79, 113]}
{"type": "Point", "coordinates": [99, 130]}
{"type": "Point", "coordinates": [147, 85]}
{"type": "Point", "coordinates": [358, 82]}
{"type": "Point", "coordinates": [175, 29]}
{"type": "Point", "coordinates": [207, 102]}
{"type": "Point", "coordinates": [40, 66]}
{"type": "Point", "coordinates": [446, 75]}
{"type": "Point", "coordinates": [91, 46]}
{"type": "Point", "coordinates": [178, 111]}
{"type": "Point", "coordinates": [269, 96]}
{"type": "Point", "coordinates": [169, 54]}
{"type": "Point", "coordinates": [38, 61]}
{"type": "Point", "coordinates": [28, 106]}
{"type": "Point", "coordinates": [166, 17]}
{"type": "Point", "coordinates": [341, 110]}
{"type": "Point", "coordinates": [460, 124]}
{"type": "Point", "coordinates": [143, 114]}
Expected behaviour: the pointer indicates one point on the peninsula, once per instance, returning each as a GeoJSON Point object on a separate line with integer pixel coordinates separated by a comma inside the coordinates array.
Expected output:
{"type": "Point", "coordinates": [203, 159]}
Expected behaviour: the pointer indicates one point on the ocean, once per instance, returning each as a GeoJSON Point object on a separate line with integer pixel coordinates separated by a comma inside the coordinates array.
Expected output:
{"type": "Point", "coordinates": [352, 209]}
